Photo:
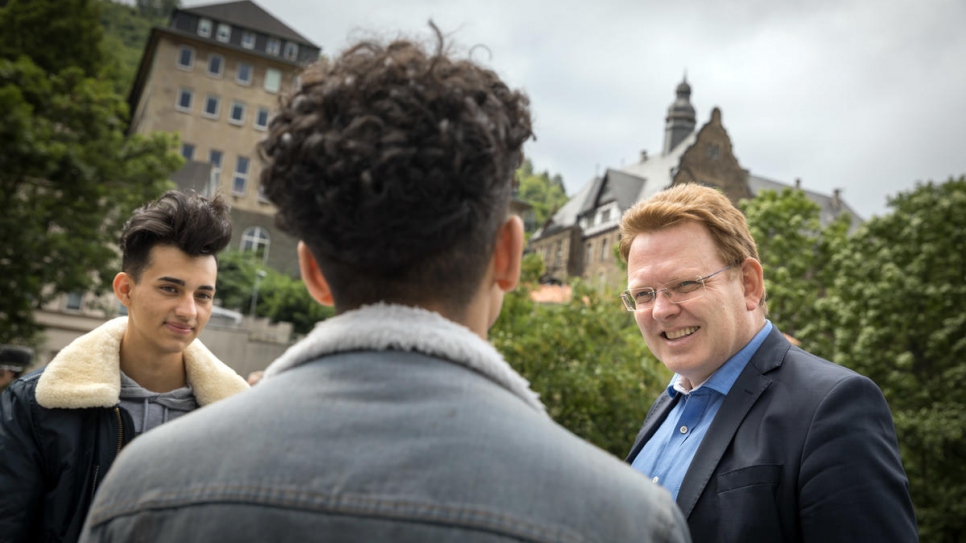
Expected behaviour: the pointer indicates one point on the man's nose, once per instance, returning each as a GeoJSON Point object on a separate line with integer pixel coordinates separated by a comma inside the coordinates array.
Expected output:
{"type": "Point", "coordinates": [186, 308]}
{"type": "Point", "coordinates": [663, 307]}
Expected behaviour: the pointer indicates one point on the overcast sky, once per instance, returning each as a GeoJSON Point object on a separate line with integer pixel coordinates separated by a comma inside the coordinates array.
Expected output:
{"type": "Point", "coordinates": [863, 95]}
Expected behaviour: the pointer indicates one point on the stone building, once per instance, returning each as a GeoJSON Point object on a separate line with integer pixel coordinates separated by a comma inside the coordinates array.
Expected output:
{"type": "Point", "coordinates": [214, 76]}
{"type": "Point", "coordinates": [580, 239]}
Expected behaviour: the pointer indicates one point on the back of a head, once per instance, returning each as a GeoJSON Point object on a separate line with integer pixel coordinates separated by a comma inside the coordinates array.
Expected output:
{"type": "Point", "coordinates": [194, 224]}
{"type": "Point", "coordinates": [394, 165]}
{"type": "Point", "coordinates": [691, 202]}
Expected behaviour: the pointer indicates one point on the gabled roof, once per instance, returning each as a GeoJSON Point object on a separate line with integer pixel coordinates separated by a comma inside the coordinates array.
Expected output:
{"type": "Point", "coordinates": [624, 187]}
{"type": "Point", "coordinates": [658, 170]}
{"type": "Point", "coordinates": [248, 14]}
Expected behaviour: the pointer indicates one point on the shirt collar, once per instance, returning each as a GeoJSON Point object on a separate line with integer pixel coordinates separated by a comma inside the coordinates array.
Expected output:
{"type": "Point", "coordinates": [724, 377]}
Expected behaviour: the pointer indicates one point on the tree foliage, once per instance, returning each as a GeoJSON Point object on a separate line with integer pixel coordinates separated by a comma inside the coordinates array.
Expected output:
{"type": "Point", "coordinates": [545, 193]}
{"type": "Point", "coordinates": [281, 298]}
{"type": "Point", "coordinates": [899, 291]}
{"type": "Point", "coordinates": [126, 30]}
{"type": "Point", "coordinates": [587, 360]}
{"type": "Point", "coordinates": [69, 177]}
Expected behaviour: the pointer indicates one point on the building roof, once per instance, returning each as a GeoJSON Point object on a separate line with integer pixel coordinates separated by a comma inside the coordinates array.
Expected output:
{"type": "Point", "coordinates": [248, 14]}
{"type": "Point", "coordinates": [831, 206]}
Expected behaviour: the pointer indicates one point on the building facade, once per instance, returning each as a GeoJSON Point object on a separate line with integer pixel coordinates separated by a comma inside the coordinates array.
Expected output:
{"type": "Point", "coordinates": [580, 239]}
{"type": "Point", "coordinates": [214, 76]}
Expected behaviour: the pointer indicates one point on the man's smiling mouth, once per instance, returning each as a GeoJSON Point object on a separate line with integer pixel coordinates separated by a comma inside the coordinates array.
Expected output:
{"type": "Point", "coordinates": [677, 334]}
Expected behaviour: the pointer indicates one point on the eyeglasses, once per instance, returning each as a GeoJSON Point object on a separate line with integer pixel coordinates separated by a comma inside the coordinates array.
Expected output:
{"type": "Point", "coordinates": [677, 292]}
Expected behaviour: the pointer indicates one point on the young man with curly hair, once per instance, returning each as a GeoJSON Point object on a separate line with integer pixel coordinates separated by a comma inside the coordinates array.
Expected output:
{"type": "Point", "coordinates": [62, 426]}
{"type": "Point", "coordinates": [395, 420]}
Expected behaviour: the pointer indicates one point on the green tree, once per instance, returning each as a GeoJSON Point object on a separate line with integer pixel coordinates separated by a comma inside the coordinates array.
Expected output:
{"type": "Point", "coordinates": [281, 297]}
{"type": "Point", "coordinates": [587, 360]}
{"type": "Point", "coordinates": [899, 292]}
{"type": "Point", "coordinates": [126, 33]}
{"type": "Point", "coordinates": [69, 177]}
{"type": "Point", "coordinates": [545, 193]}
{"type": "Point", "coordinates": [795, 251]}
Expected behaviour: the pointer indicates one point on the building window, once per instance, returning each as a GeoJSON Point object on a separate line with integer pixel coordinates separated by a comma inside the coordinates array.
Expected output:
{"type": "Point", "coordinates": [75, 300]}
{"type": "Point", "coordinates": [255, 239]}
{"type": "Point", "coordinates": [291, 50]}
{"type": "Point", "coordinates": [604, 216]}
{"type": "Point", "coordinates": [262, 197]}
{"type": "Point", "coordinates": [588, 252]}
{"type": "Point", "coordinates": [184, 100]}
{"type": "Point", "coordinates": [248, 40]}
{"type": "Point", "coordinates": [273, 47]}
{"type": "Point", "coordinates": [273, 80]}
{"type": "Point", "coordinates": [214, 158]}
{"type": "Point", "coordinates": [212, 105]}
{"type": "Point", "coordinates": [204, 27]}
{"type": "Point", "coordinates": [243, 74]}
{"type": "Point", "coordinates": [187, 151]}
{"type": "Point", "coordinates": [603, 249]}
{"type": "Point", "coordinates": [186, 58]}
{"type": "Point", "coordinates": [216, 65]}
{"type": "Point", "coordinates": [237, 114]}
{"type": "Point", "coordinates": [261, 118]}
{"type": "Point", "coordinates": [224, 33]}
{"type": "Point", "coordinates": [239, 183]}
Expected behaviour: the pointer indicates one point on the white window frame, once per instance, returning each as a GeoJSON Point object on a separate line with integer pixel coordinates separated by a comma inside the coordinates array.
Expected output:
{"type": "Point", "coordinates": [273, 46]}
{"type": "Point", "coordinates": [224, 33]}
{"type": "Point", "coordinates": [204, 27]}
{"type": "Point", "coordinates": [255, 238]}
{"type": "Point", "coordinates": [259, 113]}
{"type": "Point", "coordinates": [215, 180]}
{"type": "Point", "coordinates": [231, 113]}
{"type": "Point", "coordinates": [291, 50]}
{"type": "Point", "coordinates": [251, 74]}
{"type": "Point", "coordinates": [248, 39]}
{"type": "Point", "coordinates": [191, 98]}
{"type": "Point", "coordinates": [208, 99]}
{"type": "Point", "coordinates": [221, 65]}
{"type": "Point", "coordinates": [74, 301]}
{"type": "Point", "coordinates": [273, 80]}
{"type": "Point", "coordinates": [241, 176]}
{"type": "Point", "coordinates": [191, 62]}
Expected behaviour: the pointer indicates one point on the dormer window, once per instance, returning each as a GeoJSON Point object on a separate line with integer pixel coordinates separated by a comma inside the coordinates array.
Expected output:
{"type": "Point", "coordinates": [224, 33]}
{"type": "Point", "coordinates": [273, 47]}
{"type": "Point", "coordinates": [204, 27]}
{"type": "Point", "coordinates": [248, 40]}
{"type": "Point", "coordinates": [291, 51]}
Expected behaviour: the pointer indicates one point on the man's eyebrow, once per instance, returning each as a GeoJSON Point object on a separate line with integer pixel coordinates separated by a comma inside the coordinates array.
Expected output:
{"type": "Point", "coordinates": [180, 282]}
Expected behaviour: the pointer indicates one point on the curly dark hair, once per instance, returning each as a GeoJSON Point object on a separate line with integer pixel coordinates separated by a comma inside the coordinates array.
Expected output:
{"type": "Point", "coordinates": [194, 224]}
{"type": "Point", "coordinates": [395, 166]}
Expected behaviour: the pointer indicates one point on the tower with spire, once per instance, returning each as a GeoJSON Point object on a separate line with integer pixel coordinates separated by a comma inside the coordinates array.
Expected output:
{"type": "Point", "coordinates": [680, 121]}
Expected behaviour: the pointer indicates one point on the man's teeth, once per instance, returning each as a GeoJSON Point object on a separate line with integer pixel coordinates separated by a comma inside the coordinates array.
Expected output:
{"type": "Point", "coordinates": [681, 333]}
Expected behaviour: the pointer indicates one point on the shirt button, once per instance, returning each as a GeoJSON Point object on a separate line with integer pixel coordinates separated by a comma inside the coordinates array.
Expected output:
{"type": "Point", "coordinates": [683, 429]}
{"type": "Point", "coordinates": [654, 480]}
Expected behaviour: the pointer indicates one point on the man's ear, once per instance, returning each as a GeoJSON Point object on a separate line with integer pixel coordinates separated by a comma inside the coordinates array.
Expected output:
{"type": "Point", "coordinates": [122, 288]}
{"type": "Point", "coordinates": [312, 276]}
{"type": "Point", "coordinates": [508, 254]}
{"type": "Point", "coordinates": [753, 283]}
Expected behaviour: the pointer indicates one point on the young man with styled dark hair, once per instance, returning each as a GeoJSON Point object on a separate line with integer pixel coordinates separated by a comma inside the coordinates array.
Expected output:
{"type": "Point", "coordinates": [61, 427]}
{"type": "Point", "coordinates": [395, 420]}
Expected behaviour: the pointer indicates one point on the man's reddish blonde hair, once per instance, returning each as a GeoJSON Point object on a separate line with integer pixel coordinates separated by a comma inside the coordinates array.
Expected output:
{"type": "Point", "coordinates": [690, 202]}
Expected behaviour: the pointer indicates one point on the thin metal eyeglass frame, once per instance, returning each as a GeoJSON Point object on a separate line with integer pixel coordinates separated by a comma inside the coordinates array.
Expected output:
{"type": "Point", "coordinates": [666, 291]}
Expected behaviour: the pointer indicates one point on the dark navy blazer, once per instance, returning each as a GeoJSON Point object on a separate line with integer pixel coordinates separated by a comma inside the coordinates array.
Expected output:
{"type": "Point", "coordinates": [802, 450]}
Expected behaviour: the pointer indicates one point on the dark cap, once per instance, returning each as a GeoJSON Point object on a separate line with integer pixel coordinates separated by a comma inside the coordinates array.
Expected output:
{"type": "Point", "coordinates": [14, 356]}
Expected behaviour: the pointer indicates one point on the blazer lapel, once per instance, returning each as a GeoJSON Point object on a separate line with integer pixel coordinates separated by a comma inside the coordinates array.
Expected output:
{"type": "Point", "coordinates": [743, 395]}
{"type": "Point", "coordinates": [652, 421]}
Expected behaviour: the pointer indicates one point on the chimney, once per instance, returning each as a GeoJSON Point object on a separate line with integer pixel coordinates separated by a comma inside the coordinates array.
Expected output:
{"type": "Point", "coordinates": [798, 183]}
{"type": "Point", "coordinates": [643, 155]}
{"type": "Point", "coordinates": [837, 199]}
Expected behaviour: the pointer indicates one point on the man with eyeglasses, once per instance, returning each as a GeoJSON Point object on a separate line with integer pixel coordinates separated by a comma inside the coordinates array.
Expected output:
{"type": "Point", "coordinates": [756, 439]}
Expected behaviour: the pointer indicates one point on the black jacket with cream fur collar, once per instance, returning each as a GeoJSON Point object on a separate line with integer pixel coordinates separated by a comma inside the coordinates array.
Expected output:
{"type": "Point", "coordinates": [61, 428]}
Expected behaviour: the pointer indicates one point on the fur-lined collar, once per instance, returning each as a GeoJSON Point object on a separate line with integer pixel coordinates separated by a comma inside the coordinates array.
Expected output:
{"type": "Point", "coordinates": [383, 327]}
{"type": "Point", "coordinates": [87, 373]}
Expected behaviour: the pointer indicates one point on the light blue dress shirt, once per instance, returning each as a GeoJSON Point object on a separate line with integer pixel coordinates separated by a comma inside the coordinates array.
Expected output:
{"type": "Point", "coordinates": [667, 455]}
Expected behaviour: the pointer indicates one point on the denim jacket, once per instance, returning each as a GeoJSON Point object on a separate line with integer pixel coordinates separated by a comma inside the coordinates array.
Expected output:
{"type": "Point", "coordinates": [387, 423]}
